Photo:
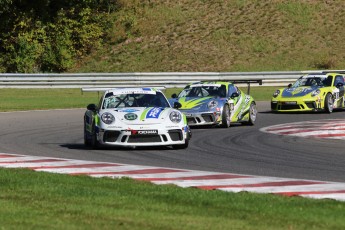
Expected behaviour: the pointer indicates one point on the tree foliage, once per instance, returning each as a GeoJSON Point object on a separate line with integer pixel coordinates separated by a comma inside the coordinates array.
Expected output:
{"type": "Point", "coordinates": [50, 35]}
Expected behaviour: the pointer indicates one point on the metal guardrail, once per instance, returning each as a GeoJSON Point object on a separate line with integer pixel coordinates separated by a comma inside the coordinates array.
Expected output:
{"type": "Point", "coordinates": [167, 79]}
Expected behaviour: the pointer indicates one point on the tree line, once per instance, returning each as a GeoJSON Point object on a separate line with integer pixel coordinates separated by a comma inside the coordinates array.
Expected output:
{"type": "Point", "coordinates": [50, 35]}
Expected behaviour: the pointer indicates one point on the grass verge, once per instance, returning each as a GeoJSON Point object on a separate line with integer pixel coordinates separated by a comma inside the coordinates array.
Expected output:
{"type": "Point", "coordinates": [36, 200]}
{"type": "Point", "coordinates": [32, 99]}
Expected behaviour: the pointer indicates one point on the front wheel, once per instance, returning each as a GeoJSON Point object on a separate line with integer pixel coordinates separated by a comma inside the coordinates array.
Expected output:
{"type": "Point", "coordinates": [329, 103]}
{"type": "Point", "coordinates": [252, 114]}
{"type": "Point", "coordinates": [226, 116]}
{"type": "Point", "coordinates": [94, 142]}
{"type": "Point", "coordinates": [86, 137]}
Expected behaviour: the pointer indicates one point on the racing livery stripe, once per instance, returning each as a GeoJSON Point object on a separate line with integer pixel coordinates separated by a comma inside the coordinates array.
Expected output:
{"type": "Point", "coordinates": [226, 182]}
{"type": "Point", "coordinates": [192, 102]}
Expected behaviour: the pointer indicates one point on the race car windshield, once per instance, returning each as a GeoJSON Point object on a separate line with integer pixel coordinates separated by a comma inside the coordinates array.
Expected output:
{"type": "Point", "coordinates": [204, 91]}
{"type": "Point", "coordinates": [135, 100]}
{"type": "Point", "coordinates": [313, 81]}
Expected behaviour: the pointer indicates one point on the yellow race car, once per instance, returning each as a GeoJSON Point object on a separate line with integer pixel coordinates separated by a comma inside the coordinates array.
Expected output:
{"type": "Point", "coordinates": [311, 92]}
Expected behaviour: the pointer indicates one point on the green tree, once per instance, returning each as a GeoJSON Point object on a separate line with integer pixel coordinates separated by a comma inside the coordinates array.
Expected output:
{"type": "Point", "coordinates": [50, 35]}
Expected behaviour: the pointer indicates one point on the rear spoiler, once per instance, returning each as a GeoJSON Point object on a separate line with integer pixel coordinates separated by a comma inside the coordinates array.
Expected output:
{"type": "Point", "coordinates": [94, 89]}
{"type": "Point", "coordinates": [247, 82]}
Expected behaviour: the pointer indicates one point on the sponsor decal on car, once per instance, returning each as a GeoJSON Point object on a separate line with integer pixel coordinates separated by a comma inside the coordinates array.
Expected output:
{"type": "Point", "coordinates": [188, 103]}
{"type": "Point", "coordinates": [244, 110]}
{"type": "Point", "coordinates": [154, 112]}
{"type": "Point", "coordinates": [297, 92]}
{"type": "Point", "coordinates": [129, 110]}
{"type": "Point", "coordinates": [144, 132]}
{"type": "Point", "coordinates": [130, 116]}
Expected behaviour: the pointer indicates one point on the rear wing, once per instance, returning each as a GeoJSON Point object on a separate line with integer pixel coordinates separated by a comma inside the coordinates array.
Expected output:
{"type": "Point", "coordinates": [103, 89]}
{"type": "Point", "coordinates": [95, 89]}
{"type": "Point", "coordinates": [247, 82]}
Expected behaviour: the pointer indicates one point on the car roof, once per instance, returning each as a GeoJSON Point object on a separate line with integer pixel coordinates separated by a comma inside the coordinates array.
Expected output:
{"type": "Point", "coordinates": [324, 74]}
{"type": "Point", "coordinates": [145, 90]}
{"type": "Point", "coordinates": [209, 83]}
{"type": "Point", "coordinates": [315, 75]}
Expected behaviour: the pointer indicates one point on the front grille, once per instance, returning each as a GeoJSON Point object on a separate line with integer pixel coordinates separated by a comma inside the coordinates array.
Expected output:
{"type": "Point", "coordinates": [208, 117]}
{"type": "Point", "coordinates": [191, 120]}
{"type": "Point", "coordinates": [273, 105]}
{"type": "Point", "coordinates": [175, 135]}
{"type": "Point", "coordinates": [289, 107]}
{"type": "Point", "coordinates": [110, 136]}
{"type": "Point", "coordinates": [144, 138]}
{"type": "Point", "coordinates": [311, 105]}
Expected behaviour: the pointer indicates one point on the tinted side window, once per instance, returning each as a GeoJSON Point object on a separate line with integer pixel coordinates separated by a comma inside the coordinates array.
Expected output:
{"type": "Point", "coordinates": [232, 89]}
{"type": "Point", "coordinates": [338, 79]}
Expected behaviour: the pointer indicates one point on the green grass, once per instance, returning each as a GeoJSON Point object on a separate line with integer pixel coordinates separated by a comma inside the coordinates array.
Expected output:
{"type": "Point", "coordinates": [221, 36]}
{"type": "Point", "coordinates": [40, 99]}
{"type": "Point", "coordinates": [31, 99]}
{"type": "Point", "coordinates": [35, 200]}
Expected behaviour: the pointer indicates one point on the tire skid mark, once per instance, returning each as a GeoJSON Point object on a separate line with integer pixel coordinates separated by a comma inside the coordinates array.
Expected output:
{"type": "Point", "coordinates": [227, 182]}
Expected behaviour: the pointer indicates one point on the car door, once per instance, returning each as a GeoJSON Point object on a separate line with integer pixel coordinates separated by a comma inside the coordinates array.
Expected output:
{"type": "Point", "coordinates": [233, 89]}
{"type": "Point", "coordinates": [339, 96]}
{"type": "Point", "coordinates": [339, 79]}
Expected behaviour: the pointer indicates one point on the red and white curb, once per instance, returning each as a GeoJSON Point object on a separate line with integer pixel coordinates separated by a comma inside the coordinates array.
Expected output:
{"type": "Point", "coordinates": [330, 129]}
{"type": "Point", "coordinates": [184, 178]}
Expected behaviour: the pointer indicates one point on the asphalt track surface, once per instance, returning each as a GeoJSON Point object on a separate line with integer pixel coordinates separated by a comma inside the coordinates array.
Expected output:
{"type": "Point", "coordinates": [238, 149]}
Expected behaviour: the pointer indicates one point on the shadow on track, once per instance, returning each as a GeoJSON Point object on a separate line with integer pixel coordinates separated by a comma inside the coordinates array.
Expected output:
{"type": "Point", "coordinates": [115, 148]}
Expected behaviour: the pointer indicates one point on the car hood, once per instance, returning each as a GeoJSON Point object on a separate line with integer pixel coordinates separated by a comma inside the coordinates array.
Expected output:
{"type": "Point", "coordinates": [194, 102]}
{"type": "Point", "coordinates": [298, 91]}
{"type": "Point", "coordinates": [140, 115]}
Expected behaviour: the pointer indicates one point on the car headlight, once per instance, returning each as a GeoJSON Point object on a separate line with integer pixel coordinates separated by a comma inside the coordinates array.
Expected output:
{"type": "Point", "coordinates": [107, 118]}
{"type": "Point", "coordinates": [276, 93]}
{"type": "Point", "coordinates": [175, 116]}
{"type": "Point", "coordinates": [212, 104]}
{"type": "Point", "coordinates": [315, 93]}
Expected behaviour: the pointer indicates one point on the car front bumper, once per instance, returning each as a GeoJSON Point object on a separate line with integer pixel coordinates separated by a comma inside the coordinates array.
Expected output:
{"type": "Point", "coordinates": [293, 105]}
{"type": "Point", "coordinates": [203, 118]}
{"type": "Point", "coordinates": [145, 137]}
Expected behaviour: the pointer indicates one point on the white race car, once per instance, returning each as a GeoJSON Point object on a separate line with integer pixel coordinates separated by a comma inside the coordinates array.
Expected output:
{"type": "Point", "coordinates": [135, 117]}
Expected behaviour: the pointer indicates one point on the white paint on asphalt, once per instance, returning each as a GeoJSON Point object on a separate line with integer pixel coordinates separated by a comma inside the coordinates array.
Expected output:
{"type": "Point", "coordinates": [181, 177]}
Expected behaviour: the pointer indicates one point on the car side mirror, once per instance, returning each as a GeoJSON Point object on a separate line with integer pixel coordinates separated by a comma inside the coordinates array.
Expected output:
{"type": "Point", "coordinates": [289, 85]}
{"type": "Point", "coordinates": [174, 95]}
{"type": "Point", "coordinates": [177, 105]}
{"type": "Point", "coordinates": [234, 94]}
{"type": "Point", "coordinates": [92, 107]}
{"type": "Point", "coordinates": [339, 84]}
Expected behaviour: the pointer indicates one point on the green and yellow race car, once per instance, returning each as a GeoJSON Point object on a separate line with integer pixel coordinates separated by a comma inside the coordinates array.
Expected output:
{"type": "Point", "coordinates": [215, 103]}
{"type": "Point", "coordinates": [311, 92]}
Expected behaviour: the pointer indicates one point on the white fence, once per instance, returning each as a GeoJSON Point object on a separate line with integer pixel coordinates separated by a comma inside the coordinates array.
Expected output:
{"type": "Point", "coordinates": [167, 79]}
